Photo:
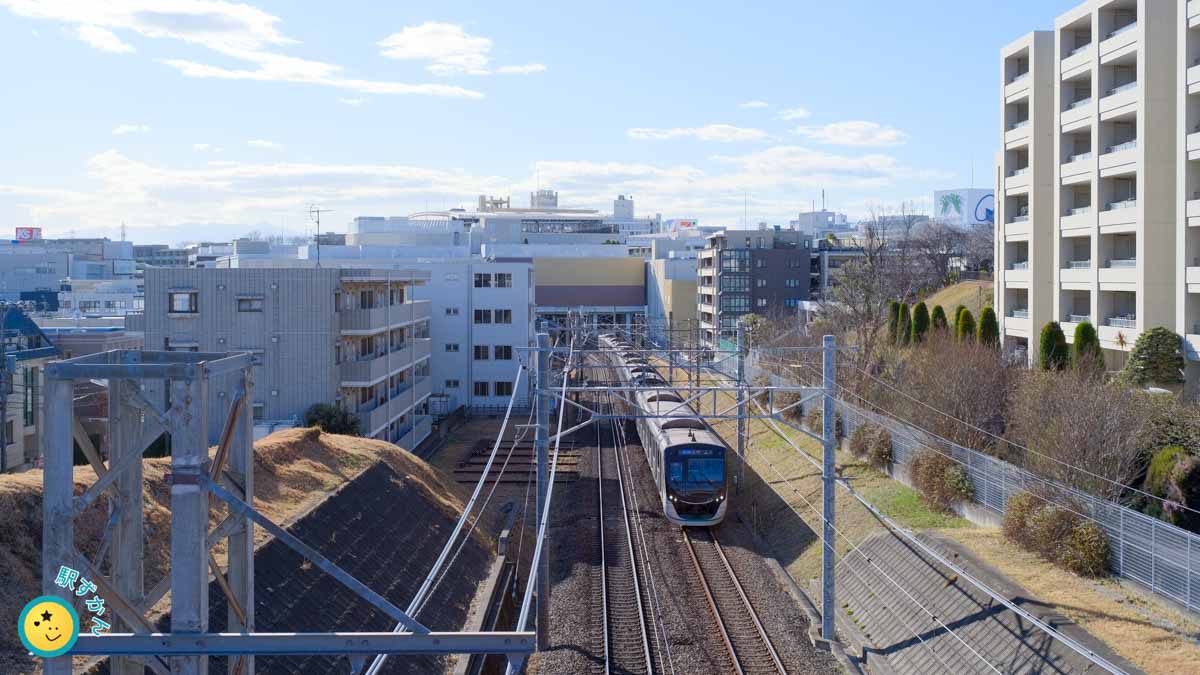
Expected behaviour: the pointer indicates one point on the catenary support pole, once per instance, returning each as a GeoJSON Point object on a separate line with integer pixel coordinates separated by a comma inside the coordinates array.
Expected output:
{"type": "Point", "coordinates": [829, 441]}
{"type": "Point", "coordinates": [542, 441]}
{"type": "Point", "coordinates": [189, 519]}
{"type": "Point", "coordinates": [741, 397]}
{"type": "Point", "coordinates": [57, 527]}
{"type": "Point", "coordinates": [124, 428]}
{"type": "Point", "coordinates": [241, 541]}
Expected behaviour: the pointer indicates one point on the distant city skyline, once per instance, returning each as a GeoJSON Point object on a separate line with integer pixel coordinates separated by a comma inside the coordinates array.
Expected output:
{"type": "Point", "coordinates": [207, 120]}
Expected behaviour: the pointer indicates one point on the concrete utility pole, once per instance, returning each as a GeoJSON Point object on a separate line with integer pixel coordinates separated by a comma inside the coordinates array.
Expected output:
{"type": "Point", "coordinates": [829, 441]}
{"type": "Point", "coordinates": [741, 394]}
{"type": "Point", "coordinates": [542, 441]}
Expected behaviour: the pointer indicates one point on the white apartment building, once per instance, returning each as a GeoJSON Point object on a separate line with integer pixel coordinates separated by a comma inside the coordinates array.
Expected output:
{"type": "Point", "coordinates": [481, 314]}
{"type": "Point", "coordinates": [1087, 200]}
{"type": "Point", "coordinates": [1187, 232]}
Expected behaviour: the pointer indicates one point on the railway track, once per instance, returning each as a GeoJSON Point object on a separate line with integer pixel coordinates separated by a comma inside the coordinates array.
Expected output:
{"type": "Point", "coordinates": [630, 640]}
{"type": "Point", "coordinates": [749, 648]}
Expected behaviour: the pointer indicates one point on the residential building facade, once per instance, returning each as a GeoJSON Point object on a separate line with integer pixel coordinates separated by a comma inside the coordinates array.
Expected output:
{"type": "Point", "coordinates": [765, 272]}
{"type": "Point", "coordinates": [354, 338]}
{"type": "Point", "coordinates": [26, 350]}
{"type": "Point", "coordinates": [1115, 141]}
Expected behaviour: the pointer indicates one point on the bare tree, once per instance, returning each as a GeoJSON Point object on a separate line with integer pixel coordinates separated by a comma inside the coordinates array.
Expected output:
{"type": "Point", "coordinates": [935, 245]}
{"type": "Point", "coordinates": [979, 246]}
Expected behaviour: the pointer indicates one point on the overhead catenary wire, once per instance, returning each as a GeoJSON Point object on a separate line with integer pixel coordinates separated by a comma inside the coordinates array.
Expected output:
{"type": "Point", "coordinates": [419, 598]}
{"type": "Point", "coordinates": [1027, 449]}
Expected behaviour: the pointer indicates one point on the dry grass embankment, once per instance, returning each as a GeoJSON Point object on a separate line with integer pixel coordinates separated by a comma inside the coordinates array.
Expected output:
{"type": "Point", "coordinates": [294, 470]}
{"type": "Point", "coordinates": [973, 295]}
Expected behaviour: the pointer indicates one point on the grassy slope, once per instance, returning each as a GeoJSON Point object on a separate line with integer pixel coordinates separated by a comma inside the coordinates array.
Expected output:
{"type": "Point", "coordinates": [973, 295]}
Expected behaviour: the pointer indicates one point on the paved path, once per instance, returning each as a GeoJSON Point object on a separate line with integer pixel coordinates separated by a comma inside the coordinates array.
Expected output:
{"type": "Point", "coordinates": [908, 640]}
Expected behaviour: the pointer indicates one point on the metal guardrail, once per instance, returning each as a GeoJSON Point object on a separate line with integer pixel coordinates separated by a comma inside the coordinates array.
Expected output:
{"type": "Point", "coordinates": [1157, 555]}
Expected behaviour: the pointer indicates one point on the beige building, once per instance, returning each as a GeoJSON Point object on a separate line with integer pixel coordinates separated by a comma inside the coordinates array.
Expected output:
{"type": "Point", "coordinates": [1087, 201]}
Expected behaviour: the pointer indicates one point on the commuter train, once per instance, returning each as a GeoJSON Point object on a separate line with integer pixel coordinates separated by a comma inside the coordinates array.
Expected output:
{"type": "Point", "coordinates": [686, 457]}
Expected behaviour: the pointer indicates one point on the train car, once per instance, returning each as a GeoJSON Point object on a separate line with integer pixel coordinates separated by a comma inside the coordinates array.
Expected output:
{"type": "Point", "coordinates": [686, 457]}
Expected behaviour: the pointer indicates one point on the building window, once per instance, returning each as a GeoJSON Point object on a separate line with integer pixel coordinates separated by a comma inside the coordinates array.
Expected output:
{"type": "Point", "coordinates": [452, 346]}
{"type": "Point", "coordinates": [760, 303]}
{"type": "Point", "coordinates": [503, 352]}
{"type": "Point", "coordinates": [483, 280]}
{"type": "Point", "coordinates": [760, 263]}
{"type": "Point", "coordinates": [760, 283]}
{"type": "Point", "coordinates": [736, 284]}
{"type": "Point", "coordinates": [481, 389]}
{"type": "Point", "coordinates": [792, 283]}
{"type": "Point", "coordinates": [503, 280]}
{"type": "Point", "coordinates": [452, 384]}
{"type": "Point", "coordinates": [187, 302]}
{"type": "Point", "coordinates": [8, 432]}
{"type": "Point", "coordinates": [28, 383]}
{"type": "Point", "coordinates": [451, 311]}
{"type": "Point", "coordinates": [260, 410]}
{"type": "Point", "coordinates": [504, 389]}
{"type": "Point", "coordinates": [483, 316]}
{"type": "Point", "coordinates": [791, 303]}
{"type": "Point", "coordinates": [176, 347]}
{"type": "Point", "coordinates": [735, 303]}
{"type": "Point", "coordinates": [250, 304]}
{"type": "Point", "coordinates": [481, 353]}
{"type": "Point", "coordinates": [503, 316]}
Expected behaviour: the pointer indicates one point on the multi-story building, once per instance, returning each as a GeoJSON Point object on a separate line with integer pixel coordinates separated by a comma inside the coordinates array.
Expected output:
{"type": "Point", "coordinates": [765, 272]}
{"type": "Point", "coordinates": [671, 292]}
{"type": "Point", "coordinates": [160, 255]}
{"type": "Point", "coordinates": [1108, 241]}
{"type": "Point", "coordinates": [354, 338]}
{"type": "Point", "coordinates": [25, 351]}
{"type": "Point", "coordinates": [481, 314]}
{"type": "Point", "coordinates": [1187, 231]}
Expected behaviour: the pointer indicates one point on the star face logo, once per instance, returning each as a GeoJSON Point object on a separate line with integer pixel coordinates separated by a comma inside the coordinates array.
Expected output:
{"type": "Point", "coordinates": [46, 616]}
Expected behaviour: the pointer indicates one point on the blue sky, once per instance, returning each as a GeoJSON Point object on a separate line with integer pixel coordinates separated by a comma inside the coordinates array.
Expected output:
{"type": "Point", "coordinates": [191, 119]}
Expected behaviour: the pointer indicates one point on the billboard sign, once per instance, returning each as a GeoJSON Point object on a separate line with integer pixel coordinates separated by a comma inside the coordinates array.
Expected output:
{"type": "Point", "coordinates": [28, 234]}
{"type": "Point", "coordinates": [965, 207]}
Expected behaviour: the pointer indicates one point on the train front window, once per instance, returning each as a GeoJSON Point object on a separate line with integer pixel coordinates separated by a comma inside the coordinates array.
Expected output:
{"type": "Point", "coordinates": [697, 473]}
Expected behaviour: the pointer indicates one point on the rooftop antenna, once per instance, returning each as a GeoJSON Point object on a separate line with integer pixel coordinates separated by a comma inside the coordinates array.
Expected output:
{"type": "Point", "coordinates": [314, 213]}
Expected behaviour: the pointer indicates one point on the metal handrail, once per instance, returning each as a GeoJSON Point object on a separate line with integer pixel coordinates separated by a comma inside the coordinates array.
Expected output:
{"type": "Point", "coordinates": [1122, 263]}
{"type": "Point", "coordinates": [1122, 88]}
{"type": "Point", "coordinates": [1080, 103]}
{"type": "Point", "coordinates": [1080, 264]}
{"type": "Point", "coordinates": [1119, 147]}
{"type": "Point", "coordinates": [1019, 314]}
{"type": "Point", "coordinates": [1079, 158]}
{"type": "Point", "coordinates": [1123, 29]}
{"type": "Point", "coordinates": [1126, 321]}
{"type": "Point", "coordinates": [1079, 318]}
{"type": "Point", "coordinates": [1123, 204]}
{"type": "Point", "coordinates": [1079, 211]}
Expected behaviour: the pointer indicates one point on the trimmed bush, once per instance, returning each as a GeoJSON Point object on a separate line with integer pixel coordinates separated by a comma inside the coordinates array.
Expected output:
{"type": "Point", "coordinates": [1156, 359]}
{"type": "Point", "coordinates": [893, 318]}
{"type": "Point", "coordinates": [1085, 552]}
{"type": "Point", "coordinates": [1017, 513]}
{"type": "Point", "coordinates": [966, 326]}
{"type": "Point", "coordinates": [331, 419]}
{"type": "Point", "coordinates": [872, 443]}
{"type": "Point", "coordinates": [958, 310]}
{"type": "Point", "coordinates": [1052, 348]}
{"type": "Point", "coordinates": [814, 419]}
{"type": "Point", "coordinates": [1049, 527]}
{"type": "Point", "coordinates": [937, 318]}
{"type": "Point", "coordinates": [1086, 355]}
{"type": "Point", "coordinates": [920, 322]}
{"type": "Point", "coordinates": [903, 326]}
{"type": "Point", "coordinates": [989, 328]}
{"type": "Point", "coordinates": [941, 481]}
{"type": "Point", "coordinates": [1174, 476]}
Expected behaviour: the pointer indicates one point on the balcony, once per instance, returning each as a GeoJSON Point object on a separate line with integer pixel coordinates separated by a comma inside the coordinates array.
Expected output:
{"type": "Point", "coordinates": [1075, 112]}
{"type": "Point", "coordinates": [367, 371]}
{"type": "Point", "coordinates": [1018, 274]}
{"type": "Point", "coordinates": [373, 416]}
{"type": "Point", "coordinates": [1076, 272]}
{"type": "Point", "coordinates": [1122, 321]}
{"type": "Point", "coordinates": [1193, 210]}
{"type": "Point", "coordinates": [1019, 314]}
{"type": "Point", "coordinates": [1192, 278]}
{"type": "Point", "coordinates": [1123, 212]}
{"type": "Point", "coordinates": [1079, 58]}
{"type": "Point", "coordinates": [1119, 158]}
{"type": "Point", "coordinates": [1017, 133]}
{"type": "Point", "coordinates": [1193, 13]}
{"type": "Point", "coordinates": [1117, 99]}
{"type": "Point", "coordinates": [1017, 181]}
{"type": "Point", "coordinates": [1078, 217]}
{"type": "Point", "coordinates": [1079, 318]}
{"type": "Point", "coordinates": [1077, 167]}
{"type": "Point", "coordinates": [416, 432]}
{"type": "Point", "coordinates": [1018, 266]}
{"type": "Point", "coordinates": [1079, 265]}
{"type": "Point", "coordinates": [367, 321]}
{"type": "Point", "coordinates": [1193, 78]}
{"type": "Point", "coordinates": [1118, 38]}
{"type": "Point", "coordinates": [1017, 85]}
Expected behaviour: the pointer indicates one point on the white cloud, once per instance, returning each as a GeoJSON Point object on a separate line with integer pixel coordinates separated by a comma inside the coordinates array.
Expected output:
{"type": "Point", "coordinates": [264, 144]}
{"type": "Point", "coordinates": [527, 69]}
{"type": "Point", "coordinates": [352, 101]}
{"type": "Point", "coordinates": [754, 104]}
{"type": "Point", "coordinates": [123, 129]}
{"type": "Point", "coordinates": [237, 31]}
{"type": "Point", "coordinates": [797, 113]}
{"type": "Point", "coordinates": [722, 133]}
{"type": "Point", "coordinates": [102, 39]}
{"type": "Point", "coordinates": [854, 133]}
{"type": "Point", "coordinates": [200, 147]}
{"type": "Point", "coordinates": [449, 50]}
